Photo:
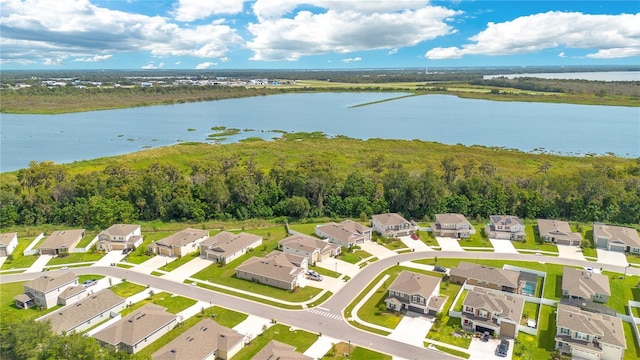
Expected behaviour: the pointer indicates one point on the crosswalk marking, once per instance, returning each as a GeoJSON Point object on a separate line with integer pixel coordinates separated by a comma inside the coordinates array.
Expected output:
{"type": "Point", "coordinates": [325, 314]}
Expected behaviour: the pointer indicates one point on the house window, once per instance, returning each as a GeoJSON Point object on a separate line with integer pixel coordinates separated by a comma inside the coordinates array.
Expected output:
{"type": "Point", "coordinates": [482, 313]}
{"type": "Point", "coordinates": [414, 298]}
{"type": "Point", "coordinates": [468, 309]}
{"type": "Point", "coordinates": [581, 336]}
{"type": "Point", "coordinates": [564, 331]}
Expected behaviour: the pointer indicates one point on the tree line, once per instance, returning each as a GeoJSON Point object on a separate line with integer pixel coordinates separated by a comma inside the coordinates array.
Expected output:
{"type": "Point", "coordinates": [236, 188]}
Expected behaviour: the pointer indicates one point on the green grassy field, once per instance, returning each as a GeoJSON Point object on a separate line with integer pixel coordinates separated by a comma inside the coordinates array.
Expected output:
{"type": "Point", "coordinates": [300, 339]}
{"type": "Point", "coordinates": [7, 305]}
{"type": "Point", "coordinates": [17, 260]}
{"type": "Point", "coordinates": [179, 262]}
{"type": "Point", "coordinates": [76, 258]}
{"type": "Point", "coordinates": [529, 347]}
{"type": "Point", "coordinates": [173, 304]}
{"type": "Point", "coordinates": [126, 289]}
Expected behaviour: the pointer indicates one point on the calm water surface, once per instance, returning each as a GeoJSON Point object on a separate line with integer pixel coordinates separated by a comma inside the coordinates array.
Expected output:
{"type": "Point", "coordinates": [593, 76]}
{"type": "Point", "coordinates": [561, 128]}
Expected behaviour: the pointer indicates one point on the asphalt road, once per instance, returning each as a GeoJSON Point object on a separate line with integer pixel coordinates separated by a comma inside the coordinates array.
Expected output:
{"type": "Point", "coordinates": [316, 322]}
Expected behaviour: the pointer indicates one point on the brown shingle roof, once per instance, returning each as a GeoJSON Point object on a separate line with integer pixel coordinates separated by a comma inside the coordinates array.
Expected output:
{"type": "Point", "coordinates": [72, 291]}
{"type": "Point", "coordinates": [277, 265]}
{"type": "Point", "coordinates": [450, 218]}
{"type": "Point", "coordinates": [120, 229]}
{"type": "Point", "coordinates": [134, 327]}
{"type": "Point", "coordinates": [305, 243]}
{"type": "Point", "coordinates": [557, 228]}
{"type": "Point", "coordinates": [183, 237]}
{"type": "Point", "coordinates": [626, 235]}
{"type": "Point", "coordinates": [609, 328]}
{"type": "Point", "coordinates": [276, 350]}
{"type": "Point", "coordinates": [411, 283]}
{"type": "Point", "coordinates": [506, 306]}
{"type": "Point", "coordinates": [6, 238]}
{"type": "Point", "coordinates": [486, 273]}
{"type": "Point", "coordinates": [75, 314]}
{"type": "Point", "coordinates": [225, 243]}
{"type": "Point", "coordinates": [199, 341]}
{"type": "Point", "coordinates": [582, 283]}
{"type": "Point", "coordinates": [344, 231]}
{"type": "Point", "coordinates": [390, 219]}
{"type": "Point", "coordinates": [62, 238]}
{"type": "Point", "coordinates": [51, 281]}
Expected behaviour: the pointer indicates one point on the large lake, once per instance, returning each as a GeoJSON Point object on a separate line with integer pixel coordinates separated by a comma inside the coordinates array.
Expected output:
{"type": "Point", "coordinates": [559, 128]}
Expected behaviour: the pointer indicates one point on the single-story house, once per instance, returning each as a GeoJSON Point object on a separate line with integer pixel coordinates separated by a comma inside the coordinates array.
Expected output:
{"type": "Point", "coordinates": [61, 242]}
{"type": "Point", "coordinates": [452, 225]}
{"type": "Point", "coordinates": [179, 244]}
{"type": "Point", "coordinates": [346, 233]}
{"type": "Point", "coordinates": [415, 292]}
{"type": "Point", "coordinates": [8, 242]}
{"type": "Point", "coordinates": [392, 225]}
{"type": "Point", "coordinates": [505, 227]}
{"type": "Point", "coordinates": [45, 290]}
{"type": "Point", "coordinates": [616, 238]}
{"type": "Point", "coordinates": [278, 269]}
{"type": "Point", "coordinates": [485, 310]}
{"type": "Point", "coordinates": [206, 340]}
{"type": "Point", "coordinates": [275, 350]}
{"type": "Point", "coordinates": [558, 232]}
{"type": "Point", "coordinates": [86, 313]}
{"type": "Point", "coordinates": [582, 284]}
{"type": "Point", "coordinates": [485, 276]}
{"type": "Point", "coordinates": [120, 237]}
{"type": "Point", "coordinates": [314, 249]}
{"type": "Point", "coordinates": [72, 294]}
{"type": "Point", "coordinates": [586, 335]}
{"type": "Point", "coordinates": [135, 331]}
{"type": "Point", "coordinates": [224, 247]}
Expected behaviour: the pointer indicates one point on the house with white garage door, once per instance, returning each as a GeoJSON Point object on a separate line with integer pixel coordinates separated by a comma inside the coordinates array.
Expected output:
{"type": "Point", "coordinates": [315, 250]}
{"type": "Point", "coordinates": [558, 232]}
{"type": "Point", "coordinates": [347, 233]}
{"type": "Point", "coordinates": [616, 238]}
{"type": "Point", "coordinates": [120, 237]}
{"type": "Point", "coordinates": [224, 247]}
{"type": "Point", "coordinates": [392, 225]}
{"type": "Point", "coordinates": [415, 292]}
{"type": "Point", "coordinates": [179, 244]}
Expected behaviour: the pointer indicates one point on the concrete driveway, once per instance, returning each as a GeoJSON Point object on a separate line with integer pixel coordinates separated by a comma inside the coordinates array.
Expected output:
{"type": "Point", "coordinates": [412, 329]}
{"type": "Point", "coordinates": [448, 244]}
{"type": "Point", "coordinates": [503, 246]}
{"type": "Point", "coordinates": [40, 263]}
{"type": "Point", "coordinates": [481, 350]}
{"type": "Point", "coordinates": [327, 283]}
{"type": "Point", "coordinates": [252, 326]}
{"type": "Point", "coordinates": [321, 347]}
{"type": "Point", "coordinates": [155, 262]}
{"type": "Point", "coordinates": [417, 245]}
{"type": "Point", "coordinates": [571, 252]}
{"type": "Point", "coordinates": [612, 257]}
{"type": "Point", "coordinates": [340, 266]}
{"type": "Point", "coordinates": [377, 250]}
{"type": "Point", "coordinates": [188, 269]}
{"type": "Point", "coordinates": [109, 258]}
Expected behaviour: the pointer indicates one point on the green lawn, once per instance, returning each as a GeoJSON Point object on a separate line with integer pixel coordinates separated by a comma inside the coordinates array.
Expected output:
{"type": "Point", "coordinates": [633, 350]}
{"type": "Point", "coordinates": [307, 229]}
{"type": "Point", "coordinates": [174, 304]}
{"type": "Point", "coordinates": [587, 251]}
{"type": "Point", "coordinates": [126, 289]}
{"type": "Point", "coordinates": [7, 305]}
{"type": "Point", "coordinates": [18, 261]}
{"type": "Point", "coordinates": [138, 256]}
{"type": "Point", "coordinates": [325, 272]}
{"type": "Point", "coordinates": [635, 312]}
{"type": "Point", "coordinates": [354, 257]}
{"type": "Point", "coordinates": [530, 347]}
{"type": "Point", "coordinates": [458, 305]}
{"type": "Point", "coordinates": [83, 278]}
{"type": "Point", "coordinates": [478, 239]}
{"type": "Point", "coordinates": [391, 243]}
{"type": "Point", "coordinates": [532, 241]}
{"type": "Point", "coordinates": [623, 290]}
{"type": "Point", "coordinates": [346, 351]}
{"type": "Point", "coordinates": [179, 262]}
{"type": "Point", "coordinates": [633, 258]}
{"type": "Point", "coordinates": [300, 339]}
{"type": "Point", "coordinates": [86, 239]}
{"type": "Point", "coordinates": [530, 311]}
{"type": "Point", "coordinates": [76, 258]}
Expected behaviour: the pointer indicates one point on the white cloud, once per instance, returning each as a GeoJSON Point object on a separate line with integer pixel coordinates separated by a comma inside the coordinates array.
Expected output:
{"type": "Point", "coordinates": [58, 60]}
{"type": "Point", "coordinates": [177, 63]}
{"type": "Point", "coordinates": [94, 58]}
{"type": "Point", "coordinates": [610, 35]}
{"type": "Point", "coordinates": [190, 10]}
{"type": "Point", "coordinates": [393, 51]}
{"type": "Point", "coordinates": [225, 59]}
{"type": "Point", "coordinates": [205, 65]}
{"type": "Point", "coordinates": [152, 66]}
{"type": "Point", "coordinates": [272, 9]}
{"type": "Point", "coordinates": [36, 30]}
{"type": "Point", "coordinates": [345, 31]}
{"type": "Point", "coordinates": [562, 55]}
{"type": "Point", "coordinates": [348, 60]}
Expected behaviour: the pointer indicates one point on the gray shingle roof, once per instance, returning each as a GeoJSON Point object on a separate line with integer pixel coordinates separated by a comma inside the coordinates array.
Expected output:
{"type": "Point", "coordinates": [486, 273]}
{"type": "Point", "coordinates": [626, 235]}
{"type": "Point", "coordinates": [390, 219]}
{"type": "Point", "coordinates": [506, 306]}
{"type": "Point", "coordinates": [225, 243]}
{"type": "Point", "coordinates": [51, 281]}
{"type": "Point", "coordinates": [276, 350]}
{"type": "Point", "coordinates": [183, 237]}
{"type": "Point", "coordinates": [582, 283]}
{"type": "Point", "coordinates": [412, 283]}
{"type": "Point", "coordinates": [134, 327]}
{"type": "Point", "coordinates": [609, 328]}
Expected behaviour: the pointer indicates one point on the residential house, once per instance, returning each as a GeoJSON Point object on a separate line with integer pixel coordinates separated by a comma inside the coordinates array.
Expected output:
{"type": "Point", "coordinates": [206, 340]}
{"type": "Point", "coordinates": [8, 242]}
{"type": "Point", "coordinates": [392, 225]}
{"type": "Point", "coordinates": [582, 284]}
{"type": "Point", "coordinates": [347, 233]}
{"type": "Point", "coordinates": [558, 232]}
{"type": "Point", "coordinates": [179, 244]}
{"type": "Point", "coordinates": [505, 227]}
{"type": "Point", "coordinates": [485, 310]}
{"type": "Point", "coordinates": [61, 242]}
{"type": "Point", "coordinates": [135, 331]}
{"type": "Point", "coordinates": [415, 292]}
{"type": "Point", "coordinates": [120, 237]}
{"type": "Point", "coordinates": [452, 225]}
{"type": "Point", "coordinates": [45, 290]}
{"type": "Point", "coordinates": [224, 247]}
{"type": "Point", "coordinates": [86, 313]}
{"type": "Point", "coordinates": [314, 249]}
{"type": "Point", "coordinates": [72, 294]}
{"type": "Point", "coordinates": [486, 276]}
{"type": "Point", "coordinates": [586, 335]}
{"type": "Point", "coordinates": [275, 350]}
{"type": "Point", "coordinates": [278, 269]}
{"type": "Point", "coordinates": [615, 238]}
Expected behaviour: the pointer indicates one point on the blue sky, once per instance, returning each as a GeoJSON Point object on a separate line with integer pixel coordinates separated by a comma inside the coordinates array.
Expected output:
{"type": "Point", "coordinates": [315, 34]}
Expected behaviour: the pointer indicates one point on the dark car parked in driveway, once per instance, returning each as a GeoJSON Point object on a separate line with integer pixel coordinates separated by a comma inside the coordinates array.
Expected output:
{"type": "Point", "coordinates": [439, 268]}
{"type": "Point", "coordinates": [503, 348]}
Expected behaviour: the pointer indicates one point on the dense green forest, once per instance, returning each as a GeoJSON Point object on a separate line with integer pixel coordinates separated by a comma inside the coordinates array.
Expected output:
{"type": "Point", "coordinates": [336, 178]}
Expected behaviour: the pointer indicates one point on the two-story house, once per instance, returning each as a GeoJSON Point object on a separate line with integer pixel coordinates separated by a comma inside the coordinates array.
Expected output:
{"type": "Point", "coordinates": [392, 225]}
{"type": "Point", "coordinates": [558, 232]}
{"type": "Point", "coordinates": [315, 250]}
{"type": "Point", "coordinates": [179, 244]}
{"type": "Point", "coordinates": [485, 310]}
{"type": "Point", "coordinates": [45, 290]}
{"type": "Point", "coordinates": [346, 233]}
{"type": "Point", "coordinates": [616, 238]}
{"type": "Point", "coordinates": [224, 247]}
{"type": "Point", "coordinates": [586, 335]}
{"type": "Point", "coordinates": [452, 225]}
{"type": "Point", "coordinates": [415, 292]}
{"type": "Point", "coordinates": [505, 227]}
{"type": "Point", "coordinates": [119, 237]}
{"type": "Point", "coordinates": [278, 269]}
{"type": "Point", "coordinates": [583, 284]}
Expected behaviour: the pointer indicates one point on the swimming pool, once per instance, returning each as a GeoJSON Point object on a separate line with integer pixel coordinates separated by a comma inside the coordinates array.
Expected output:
{"type": "Point", "coordinates": [529, 289]}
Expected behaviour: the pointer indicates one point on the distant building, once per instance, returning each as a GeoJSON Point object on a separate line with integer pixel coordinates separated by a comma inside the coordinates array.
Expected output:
{"type": "Point", "coordinates": [392, 225]}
